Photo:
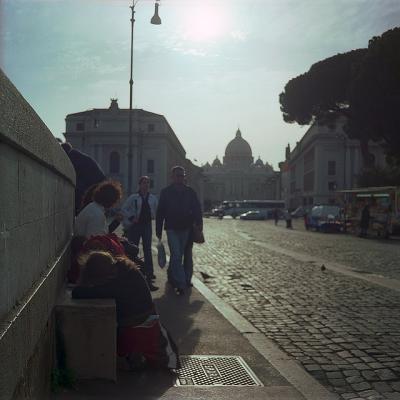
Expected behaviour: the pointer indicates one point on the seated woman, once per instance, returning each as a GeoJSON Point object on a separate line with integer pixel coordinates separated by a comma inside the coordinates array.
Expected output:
{"type": "Point", "coordinates": [92, 230]}
{"type": "Point", "coordinates": [141, 339]}
{"type": "Point", "coordinates": [91, 220]}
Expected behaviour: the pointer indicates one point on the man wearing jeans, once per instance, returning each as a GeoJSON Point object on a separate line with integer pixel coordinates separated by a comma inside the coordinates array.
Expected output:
{"type": "Point", "coordinates": [178, 209]}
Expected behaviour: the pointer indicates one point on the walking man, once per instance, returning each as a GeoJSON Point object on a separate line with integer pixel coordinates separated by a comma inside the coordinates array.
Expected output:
{"type": "Point", "coordinates": [178, 210]}
{"type": "Point", "coordinates": [364, 223]}
{"type": "Point", "coordinates": [276, 216]}
{"type": "Point", "coordinates": [138, 211]}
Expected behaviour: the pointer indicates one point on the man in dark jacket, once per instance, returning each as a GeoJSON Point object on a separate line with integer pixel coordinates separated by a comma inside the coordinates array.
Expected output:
{"type": "Point", "coordinates": [364, 223]}
{"type": "Point", "coordinates": [87, 171]}
{"type": "Point", "coordinates": [178, 209]}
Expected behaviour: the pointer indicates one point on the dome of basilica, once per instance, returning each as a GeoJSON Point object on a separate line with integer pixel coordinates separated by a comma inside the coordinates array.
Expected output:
{"type": "Point", "coordinates": [216, 162]}
{"type": "Point", "coordinates": [259, 162]}
{"type": "Point", "coordinates": [238, 147]}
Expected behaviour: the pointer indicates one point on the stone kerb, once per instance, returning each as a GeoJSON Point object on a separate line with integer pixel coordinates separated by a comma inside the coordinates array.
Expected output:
{"type": "Point", "coordinates": [36, 219]}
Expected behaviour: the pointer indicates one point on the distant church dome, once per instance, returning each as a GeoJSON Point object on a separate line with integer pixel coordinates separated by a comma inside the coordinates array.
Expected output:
{"type": "Point", "coordinates": [216, 162]}
{"type": "Point", "coordinates": [238, 153]}
{"type": "Point", "coordinates": [238, 147]}
{"type": "Point", "coordinates": [259, 162]}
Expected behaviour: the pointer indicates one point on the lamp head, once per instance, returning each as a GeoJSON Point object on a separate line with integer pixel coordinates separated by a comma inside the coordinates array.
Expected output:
{"type": "Point", "coordinates": [156, 20]}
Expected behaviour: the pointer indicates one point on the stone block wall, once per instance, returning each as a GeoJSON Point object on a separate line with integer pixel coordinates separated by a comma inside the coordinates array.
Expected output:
{"type": "Point", "coordinates": [36, 219]}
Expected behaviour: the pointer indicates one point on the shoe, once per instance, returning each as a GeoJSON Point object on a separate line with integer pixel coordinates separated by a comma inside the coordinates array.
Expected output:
{"type": "Point", "coordinates": [179, 292]}
{"type": "Point", "coordinates": [152, 287]}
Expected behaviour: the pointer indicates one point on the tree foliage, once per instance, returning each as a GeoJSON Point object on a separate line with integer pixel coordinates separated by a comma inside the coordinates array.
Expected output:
{"type": "Point", "coordinates": [363, 84]}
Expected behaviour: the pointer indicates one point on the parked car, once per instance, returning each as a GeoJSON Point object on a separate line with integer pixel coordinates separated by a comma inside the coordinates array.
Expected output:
{"type": "Point", "coordinates": [253, 215]}
{"type": "Point", "coordinates": [299, 212]}
{"type": "Point", "coordinates": [325, 219]}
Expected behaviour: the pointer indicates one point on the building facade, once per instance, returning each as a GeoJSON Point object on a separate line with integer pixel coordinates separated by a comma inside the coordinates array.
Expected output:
{"type": "Point", "coordinates": [238, 177]}
{"type": "Point", "coordinates": [324, 161]}
{"type": "Point", "coordinates": [104, 135]}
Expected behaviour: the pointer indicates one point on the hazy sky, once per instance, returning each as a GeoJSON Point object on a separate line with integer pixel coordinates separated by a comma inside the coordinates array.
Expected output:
{"type": "Point", "coordinates": [212, 65]}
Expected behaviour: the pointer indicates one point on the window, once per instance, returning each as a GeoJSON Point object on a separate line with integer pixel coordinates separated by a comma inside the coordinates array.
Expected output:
{"type": "Point", "coordinates": [96, 123]}
{"type": "Point", "coordinates": [150, 166]}
{"type": "Point", "coordinates": [80, 126]}
{"type": "Point", "coordinates": [331, 186]}
{"type": "Point", "coordinates": [308, 181]}
{"type": "Point", "coordinates": [151, 184]}
{"type": "Point", "coordinates": [309, 160]}
{"type": "Point", "coordinates": [114, 162]}
{"type": "Point", "coordinates": [331, 167]}
{"type": "Point", "coordinates": [150, 127]}
{"type": "Point", "coordinates": [293, 172]}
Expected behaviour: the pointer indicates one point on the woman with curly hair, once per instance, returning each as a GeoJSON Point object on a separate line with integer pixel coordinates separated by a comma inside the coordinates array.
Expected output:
{"type": "Point", "coordinates": [141, 339]}
{"type": "Point", "coordinates": [91, 220]}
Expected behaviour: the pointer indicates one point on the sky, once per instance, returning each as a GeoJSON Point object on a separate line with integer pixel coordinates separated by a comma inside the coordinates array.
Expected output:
{"type": "Point", "coordinates": [211, 67]}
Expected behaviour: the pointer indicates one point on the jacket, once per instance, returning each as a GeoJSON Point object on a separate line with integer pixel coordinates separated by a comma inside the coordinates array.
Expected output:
{"type": "Point", "coordinates": [130, 291]}
{"type": "Point", "coordinates": [178, 209]}
{"type": "Point", "coordinates": [88, 173]}
{"type": "Point", "coordinates": [133, 205]}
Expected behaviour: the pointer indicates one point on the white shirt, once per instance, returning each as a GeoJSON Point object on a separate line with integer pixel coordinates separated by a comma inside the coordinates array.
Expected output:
{"type": "Point", "coordinates": [133, 206]}
{"type": "Point", "coordinates": [91, 221]}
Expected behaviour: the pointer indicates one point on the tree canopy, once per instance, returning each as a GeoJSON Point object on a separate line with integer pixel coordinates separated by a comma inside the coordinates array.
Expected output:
{"type": "Point", "coordinates": [363, 84]}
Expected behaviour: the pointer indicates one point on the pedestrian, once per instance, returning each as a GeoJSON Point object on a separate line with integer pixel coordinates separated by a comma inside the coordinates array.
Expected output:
{"type": "Point", "coordinates": [138, 210]}
{"type": "Point", "coordinates": [288, 219]}
{"type": "Point", "coordinates": [306, 225]}
{"type": "Point", "coordinates": [178, 210]}
{"type": "Point", "coordinates": [91, 220]}
{"type": "Point", "coordinates": [364, 222]}
{"type": "Point", "coordinates": [141, 339]}
{"type": "Point", "coordinates": [276, 216]}
{"type": "Point", "coordinates": [87, 171]}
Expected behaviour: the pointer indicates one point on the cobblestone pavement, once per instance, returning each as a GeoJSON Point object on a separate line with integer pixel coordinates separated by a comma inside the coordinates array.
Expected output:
{"type": "Point", "coordinates": [343, 331]}
{"type": "Point", "coordinates": [368, 255]}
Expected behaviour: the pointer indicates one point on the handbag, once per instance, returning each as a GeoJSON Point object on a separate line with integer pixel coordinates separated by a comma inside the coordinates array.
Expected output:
{"type": "Point", "coordinates": [161, 256]}
{"type": "Point", "coordinates": [197, 234]}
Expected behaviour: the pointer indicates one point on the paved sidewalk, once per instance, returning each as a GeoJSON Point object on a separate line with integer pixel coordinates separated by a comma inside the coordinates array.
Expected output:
{"type": "Point", "coordinates": [197, 324]}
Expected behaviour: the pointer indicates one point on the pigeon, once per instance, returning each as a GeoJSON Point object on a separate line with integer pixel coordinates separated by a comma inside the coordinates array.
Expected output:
{"type": "Point", "coordinates": [205, 276]}
{"type": "Point", "coordinates": [323, 268]}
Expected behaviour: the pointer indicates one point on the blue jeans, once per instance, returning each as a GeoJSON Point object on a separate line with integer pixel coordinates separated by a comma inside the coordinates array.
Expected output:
{"type": "Point", "coordinates": [143, 231]}
{"type": "Point", "coordinates": [188, 261]}
{"type": "Point", "coordinates": [177, 241]}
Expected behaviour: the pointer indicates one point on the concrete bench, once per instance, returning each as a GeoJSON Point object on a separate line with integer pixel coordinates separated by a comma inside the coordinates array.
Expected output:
{"type": "Point", "coordinates": [88, 331]}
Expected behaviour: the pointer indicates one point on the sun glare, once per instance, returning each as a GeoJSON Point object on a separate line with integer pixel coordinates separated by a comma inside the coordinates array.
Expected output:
{"type": "Point", "coordinates": [205, 21]}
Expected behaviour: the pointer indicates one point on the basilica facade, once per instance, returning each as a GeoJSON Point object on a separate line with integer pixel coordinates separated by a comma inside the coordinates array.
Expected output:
{"type": "Point", "coordinates": [238, 177]}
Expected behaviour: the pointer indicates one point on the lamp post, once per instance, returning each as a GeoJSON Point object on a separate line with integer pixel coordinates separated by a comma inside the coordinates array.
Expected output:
{"type": "Point", "coordinates": [155, 20]}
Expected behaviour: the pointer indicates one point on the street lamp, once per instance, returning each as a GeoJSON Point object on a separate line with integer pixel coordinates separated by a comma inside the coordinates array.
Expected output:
{"type": "Point", "coordinates": [155, 20]}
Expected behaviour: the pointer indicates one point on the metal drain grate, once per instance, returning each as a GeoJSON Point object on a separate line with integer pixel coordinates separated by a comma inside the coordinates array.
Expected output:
{"type": "Point", "coordinates": [215, 371]}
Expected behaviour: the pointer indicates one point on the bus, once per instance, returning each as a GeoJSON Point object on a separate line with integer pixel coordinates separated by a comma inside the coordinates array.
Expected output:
{"type": "Point", "coordinates": [384, 205]}
{"type": "Point", "coordinates": [238, 207]}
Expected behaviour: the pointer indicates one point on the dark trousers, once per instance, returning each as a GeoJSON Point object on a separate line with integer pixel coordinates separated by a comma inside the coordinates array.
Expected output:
{"type": "Point", "coordinates": [144, 232]}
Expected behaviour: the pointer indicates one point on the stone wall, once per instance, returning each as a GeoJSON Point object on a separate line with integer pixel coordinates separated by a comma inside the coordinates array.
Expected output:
{"type": "Point", "coordinates": [36, 218]}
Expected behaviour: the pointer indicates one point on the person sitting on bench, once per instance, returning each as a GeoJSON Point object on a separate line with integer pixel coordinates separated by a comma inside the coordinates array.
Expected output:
{"type": "Point", "coordinates": [141, 339]}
